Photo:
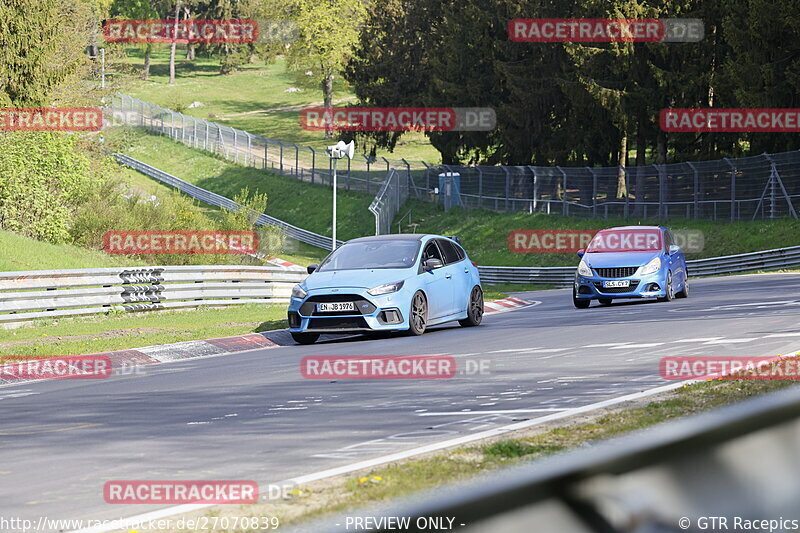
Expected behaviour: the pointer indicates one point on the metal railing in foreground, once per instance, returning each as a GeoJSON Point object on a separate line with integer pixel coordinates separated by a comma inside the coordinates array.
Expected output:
{"type": "Point", "coordinates": [27, 296]}
{"type": "Point", "coordinates": [739, 461]}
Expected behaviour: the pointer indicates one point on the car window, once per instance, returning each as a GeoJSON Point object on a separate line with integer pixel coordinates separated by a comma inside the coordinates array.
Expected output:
{"type": "Point", "coordinates": [371, 254]}
{"type": "Point", "coordinates": [432, 252]}
{"type": "Point", "coordinates": [461, 253]}
{"type": "Point", "coordinates": [668, 240]}
{"type": "Point", "coordinates": [449, 251]}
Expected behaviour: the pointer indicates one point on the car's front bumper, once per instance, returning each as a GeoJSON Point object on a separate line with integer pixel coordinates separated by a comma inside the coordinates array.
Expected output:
{"type": "Point", "coordinates": [650, 286]}
{"type": "Point", "coordinates": [387, 312]}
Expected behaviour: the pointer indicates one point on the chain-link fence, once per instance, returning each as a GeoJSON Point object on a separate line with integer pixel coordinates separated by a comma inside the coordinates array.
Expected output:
{"type": "Point", "coordinates": [389, 200]}
{"type": "Point", "coordinates": [362, 173]}
{"type": "Point", "coordinates": [764, 186]}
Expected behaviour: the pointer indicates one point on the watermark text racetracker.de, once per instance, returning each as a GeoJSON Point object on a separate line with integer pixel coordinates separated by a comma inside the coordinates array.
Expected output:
{"type": "Point", "coordinates": [391, 367]}
{"type": "Point", "coordinates": [197, 31]}
{"type": "Point", "coordinates": [549, 241]}
{"type": "Point", "coordinates": [730, 368]}
{"type": "Point", "coordinates": [51, 119]}
{"type": "Point", "coordinates": [180, 242]}
{"type": "Point", "coordinates": [598, 30]}
{"type": "Point", "coordinates": [398, 118]}
{"type": "Point", "coordinates": [730, 120]}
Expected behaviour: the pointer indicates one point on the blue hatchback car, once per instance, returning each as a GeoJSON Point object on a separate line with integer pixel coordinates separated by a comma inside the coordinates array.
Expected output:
{"type": "Point", "coordinates": [630, 262]}
{"type": "Point", "coordinates": [404, 282]}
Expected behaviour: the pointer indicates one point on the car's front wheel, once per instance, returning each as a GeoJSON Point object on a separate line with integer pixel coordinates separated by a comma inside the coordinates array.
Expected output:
{"type": "Point", "coordinates": [580, 304]}
{"type": "Point", "coordinates": [684, 292]}
{"type": "Point", "coordinates": [418, 315]}
{"type": "Point", "coordinates": [670, 289]}
{"type": "Point", "coordinates": [475, 308]}
{"type": "Point", "coordinates": [305, 338]}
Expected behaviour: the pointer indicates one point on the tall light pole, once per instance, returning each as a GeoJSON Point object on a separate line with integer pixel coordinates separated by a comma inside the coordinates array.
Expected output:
{"type": "Point", "coordinates": [338, 151]}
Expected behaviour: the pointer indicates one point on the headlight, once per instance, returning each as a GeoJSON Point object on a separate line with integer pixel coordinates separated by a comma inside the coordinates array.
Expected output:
{"type": "Point", "coordinates": [653, 266]}
{"type": "Point", "coordinates": [386, 288]}
{"type": "Point", "coordinates": [298, 292]}
{"type": "Point", "coordinates": [584, 270]}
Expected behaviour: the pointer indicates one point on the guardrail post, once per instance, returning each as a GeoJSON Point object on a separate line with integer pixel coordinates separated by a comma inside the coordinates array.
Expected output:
{"type": "Point", "coordinates": [733, 188]}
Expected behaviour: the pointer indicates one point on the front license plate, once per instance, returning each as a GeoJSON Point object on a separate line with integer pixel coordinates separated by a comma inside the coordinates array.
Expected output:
{"type": "Point", "coordinates": [616, 283]}
{"type": "Point", "coordinates": [336, 306]}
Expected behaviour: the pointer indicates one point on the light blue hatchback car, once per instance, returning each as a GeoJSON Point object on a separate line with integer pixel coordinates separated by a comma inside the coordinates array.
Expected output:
{"type": "Point", "coordinates": [404, 282]}
{"type": "Point", "coordinates": [630, 262]}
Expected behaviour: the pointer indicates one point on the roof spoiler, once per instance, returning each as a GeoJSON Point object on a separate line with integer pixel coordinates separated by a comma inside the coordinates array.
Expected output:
{"type": "Point", "coordinates": [455, 238]}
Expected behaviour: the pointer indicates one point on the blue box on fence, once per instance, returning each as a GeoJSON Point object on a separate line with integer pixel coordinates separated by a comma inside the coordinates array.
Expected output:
{"type": "Point", "coordinates": [450, 189]}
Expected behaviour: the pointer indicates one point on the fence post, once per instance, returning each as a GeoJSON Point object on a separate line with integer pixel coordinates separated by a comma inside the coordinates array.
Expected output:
{"type": "Point", "coordinates": [733, 188]}
{"type": "Point", "coordinates": [480, 185]}
{"type": "Point", "coordinates": [594, 191]}
{"type": "Point", "coordinates": [281, 156]}
{"type": "Point", "coordinates": [696, 188]}
{"type": "Point", "coordinates": [313, 162]}
{"type": "Point", "coordinates": [627, 190]}
{"type": "Point", "coordinates": [535, 188]}
{"type": "Point", "coordinates": [367, 159]}
{"type": "Point", "coordinates": [508, 185]}
{"type": "Point", "coordinates": [662, 209]}
{"type": "Point", "coordinates": [564, 208]}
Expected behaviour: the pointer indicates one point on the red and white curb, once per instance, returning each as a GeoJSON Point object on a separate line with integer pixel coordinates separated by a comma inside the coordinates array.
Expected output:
{"type": "Point", "coordinates": [277, 261]}
{"type": "Point", "coordinates": [506, 304]}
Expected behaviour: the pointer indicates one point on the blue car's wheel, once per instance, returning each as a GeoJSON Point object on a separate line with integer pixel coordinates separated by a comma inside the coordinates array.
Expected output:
{"type": "Point", "coordinates": [580, 304]}
{"type": "Point", "coordinates": [418, 317]}
{"type": "Point", "coordinates": [684, 292]}
{"type": "Point", "coordinates": [475, 309]}
{"type": "Point", "coordinates": [670, 289]}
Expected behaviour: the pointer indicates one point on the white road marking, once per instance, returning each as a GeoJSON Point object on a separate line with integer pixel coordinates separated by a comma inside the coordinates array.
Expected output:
{"type": "Point", "coordinates": [646, 345]}
{"type": "Point", "coordinates": [501, 412]}
{"type": "Point", "coordinates": [605, 345]}
{"type": "Point", "coordinates": [702, 339]}
{"type": "Point", "coordinates": [732, 341]}
{"type": "Point", "coordinates": [795, 334]}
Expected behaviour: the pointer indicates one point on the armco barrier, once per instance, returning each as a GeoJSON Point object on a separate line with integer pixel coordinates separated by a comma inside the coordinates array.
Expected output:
{"type": "Point", "coordinates": [41, 294]}
{"type": "Point", "coordinates": [741, 461]}
{"type": "Point", "coordinates": [775, 259]}
{"type": "Point", "coordinates": [308, 237]}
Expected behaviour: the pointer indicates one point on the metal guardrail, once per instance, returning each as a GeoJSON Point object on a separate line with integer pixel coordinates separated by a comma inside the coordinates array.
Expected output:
{"type": "Point", "coordinates": [26, 296]}
{"type": "Point", "coordinates": [302, 235]}
{"type": "Point", "coordinates": [737, 461]}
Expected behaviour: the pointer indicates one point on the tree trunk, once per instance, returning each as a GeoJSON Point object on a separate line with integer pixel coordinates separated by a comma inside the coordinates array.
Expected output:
{"type": "Point", "coordinates": [622, 187]}
{"type": "Point", "coordinates": [661, 148]}
{"type": "Point", "coordinates": [190, 52]}
{"type": "Point", "coordinates": [146, 67]}
{"type": "Point", "coordinates": [327, 97]}
{"type": "Point", "coordinates": [641, 149]}
{"type": "Point", "coordinates": [174, 45]}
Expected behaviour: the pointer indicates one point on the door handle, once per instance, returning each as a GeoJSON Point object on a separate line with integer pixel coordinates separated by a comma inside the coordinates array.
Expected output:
{"type": "Point", "coordinates": [448, 276]}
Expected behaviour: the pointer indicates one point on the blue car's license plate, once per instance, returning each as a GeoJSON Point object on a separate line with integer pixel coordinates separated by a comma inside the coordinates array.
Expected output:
{"type": "Point", "coordinates": [615, 283]}
{"type": "Point", "coordinates": [336, 306]}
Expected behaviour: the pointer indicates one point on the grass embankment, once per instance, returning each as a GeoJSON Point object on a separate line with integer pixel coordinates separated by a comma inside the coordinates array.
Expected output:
{"type": "Point", "coordinates": [24, 253]}
{"type": "Point", "coordinates": [385, 483]}
{"type": "Point", "coordinates": [254, 99]}
{"type": "Point", "coordinates": [136, 330]}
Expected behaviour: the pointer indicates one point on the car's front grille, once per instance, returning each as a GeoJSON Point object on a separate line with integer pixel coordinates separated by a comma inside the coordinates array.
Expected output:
{"type": "Point", "coordinates": [363, 307]}
{"type": "Point", "coordinates": [616, 272]}
{"type": "Point", "coordinates": [343, 323]}
{"type": "Point", "coordinates": [612, 290]}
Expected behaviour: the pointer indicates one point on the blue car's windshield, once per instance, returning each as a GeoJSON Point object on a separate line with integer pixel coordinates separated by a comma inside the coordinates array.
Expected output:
{"type": "Point", "coordinates": [372, 254]}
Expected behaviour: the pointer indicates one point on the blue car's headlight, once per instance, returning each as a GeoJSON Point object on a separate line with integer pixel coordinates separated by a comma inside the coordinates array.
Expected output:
{"type": "Point", "coordinates": [386, 288]}
{"type": "Point", "coordinates": [653, 266]}
{"type": "Point", "coordinates": [584, 270]}
{"type": "Point", "coordinates": [298, 292]}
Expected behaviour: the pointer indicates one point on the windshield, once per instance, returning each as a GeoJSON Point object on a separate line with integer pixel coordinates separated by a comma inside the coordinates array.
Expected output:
{"type": "Point", "coordinates": [372, 254]}
{"type": "Point", "coordinates": [627, 240]}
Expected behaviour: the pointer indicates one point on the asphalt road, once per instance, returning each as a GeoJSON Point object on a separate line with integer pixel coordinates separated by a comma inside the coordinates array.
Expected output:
{"type": "Point", "coordinates": [253, 416]}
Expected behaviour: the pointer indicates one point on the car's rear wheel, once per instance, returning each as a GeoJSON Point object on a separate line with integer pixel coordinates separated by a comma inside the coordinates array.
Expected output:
{"type": "Point", "coordinates": [684, 292]}
{"type": "Point", "coordinates": [418, 317]}
{"type": "Point", "coordinates": [604, 301]}
{"type": "Point", "coordinates": [305, 338]}
{"type": "Point", "coordinates": [670, 289]}
{"type": "Point", "coordinates": [475, 308]}
{"type": "Point", "coordinates": [580, 304]}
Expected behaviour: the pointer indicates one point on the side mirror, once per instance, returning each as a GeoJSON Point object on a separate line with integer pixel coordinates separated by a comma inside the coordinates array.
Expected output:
{"type": "Point", "coordinates": [581, 252]}
{"type": "Point", "coordinates": [674, 249]}
{"type": "Point", "coordinates": [432, 264]}
{"type": "Point", "coordinates": [311, 268]}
